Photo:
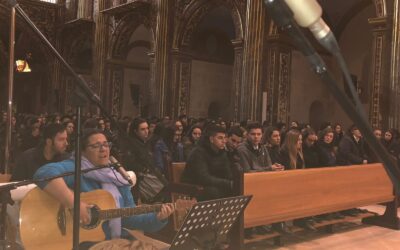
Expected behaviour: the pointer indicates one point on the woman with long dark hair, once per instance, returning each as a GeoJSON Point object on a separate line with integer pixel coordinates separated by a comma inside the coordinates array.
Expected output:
{"type": "Point", "coordinates": [191, 139]}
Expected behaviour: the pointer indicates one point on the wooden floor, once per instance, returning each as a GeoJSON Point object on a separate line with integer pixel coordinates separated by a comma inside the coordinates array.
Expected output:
{"type": "Point", "coordinates": [347, 236]}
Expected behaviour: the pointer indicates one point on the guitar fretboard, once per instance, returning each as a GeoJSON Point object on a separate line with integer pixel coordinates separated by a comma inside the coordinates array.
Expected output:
{"type": "Point", "coordinates": [129, 211]}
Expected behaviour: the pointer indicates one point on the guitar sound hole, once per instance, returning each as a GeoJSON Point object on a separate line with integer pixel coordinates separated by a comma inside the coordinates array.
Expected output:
{"type": "Point", "coordinates": [94, 218]}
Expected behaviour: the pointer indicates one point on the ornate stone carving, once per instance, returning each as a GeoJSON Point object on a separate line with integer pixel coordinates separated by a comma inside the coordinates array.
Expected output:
{"type": "Point", "coordinates": [284, 87]}
{"type": "Point", "coordinates": [271, 83]}
{"type": "Point", "coordinates": [43, 15]}
{"type": "Point", "coordinates": [376, 88]}
{"type": "Point", "coordinates": [380, 6]}
{"type": "Point", "coordinates": [252, 78]}
{"type": "Point", "coordinates": [237, 77]}
{"type": "Point", "coordinates": [194, 11]}
{"type": "Point", "coordinates": [123, 29]}
{"type": "Point", "coordinates": [117, 88]}
{"type": "Point", "coordinates": [184, 90]}
{"type": "Point", "coordinates": [377, 110]}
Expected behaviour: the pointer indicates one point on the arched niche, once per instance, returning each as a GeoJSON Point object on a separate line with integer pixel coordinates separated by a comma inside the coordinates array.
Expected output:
{"type": "Point", "coordinates": [136, 71]}
{"type": "Point", "coordinates": [212, 65]}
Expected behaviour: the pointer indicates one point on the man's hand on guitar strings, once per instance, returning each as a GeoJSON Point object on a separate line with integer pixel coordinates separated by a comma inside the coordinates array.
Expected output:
{"type": "Point", "coordinates": [166, 210]}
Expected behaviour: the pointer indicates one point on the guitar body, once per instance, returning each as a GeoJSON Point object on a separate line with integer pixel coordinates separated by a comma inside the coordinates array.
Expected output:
{"type": "Point", "coordinates": [43, 220]}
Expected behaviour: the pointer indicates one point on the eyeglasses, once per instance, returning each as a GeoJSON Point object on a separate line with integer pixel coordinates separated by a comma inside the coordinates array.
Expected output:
{"type": "Point", "coordinates": [99, 145]}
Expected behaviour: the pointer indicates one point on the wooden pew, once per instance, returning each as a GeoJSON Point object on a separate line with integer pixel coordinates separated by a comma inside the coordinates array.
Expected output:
{"type": "Point", "coordinates": [287, 195]}
{"type": "Point", "coordinates": [179, 190]}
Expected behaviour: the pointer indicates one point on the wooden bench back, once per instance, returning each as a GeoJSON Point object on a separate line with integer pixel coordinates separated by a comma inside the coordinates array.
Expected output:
{"type": "Point", "coordinates": [177, 171]}
{"type": "Point", "coordinates": [287, 195]}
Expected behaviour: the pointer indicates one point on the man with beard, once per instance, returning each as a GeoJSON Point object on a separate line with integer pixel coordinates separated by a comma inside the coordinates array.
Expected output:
{"type": "Point", "coordinates": [51, 149]}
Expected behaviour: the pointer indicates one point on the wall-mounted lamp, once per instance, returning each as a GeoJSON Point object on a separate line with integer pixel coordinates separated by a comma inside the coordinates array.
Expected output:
{"type": "Point", "coordinates": [22, 66]}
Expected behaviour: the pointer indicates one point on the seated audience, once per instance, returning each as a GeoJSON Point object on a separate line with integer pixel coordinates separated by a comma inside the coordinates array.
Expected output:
{"type": "Point", "coordinates": [208, 166]}
{"type": "Point", "coordinates": [235, 137]}
{"type": "Point", "coordinates": [337, 135]}
{"type": "Point", "coordinates": [272, 139]}
{"type": "Point", "coordinates": [191, 140]}
{"type": "Point", "coordinates": [253, 155]}
{"type": "Point", "coordinates": [291, 151]}
{"type": "Point", "coordinates": [167, 148]}
{"type": "Point", "coordinates": [352, 149]}
{"type": "Point", "coordinates": [326, 152]}
{"type": "Point", "coordinates": [310, 150]}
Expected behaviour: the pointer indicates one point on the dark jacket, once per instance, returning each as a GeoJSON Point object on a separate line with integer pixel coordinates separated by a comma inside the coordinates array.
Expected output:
{"type": "Point", "coordinates": [30, 161]}
{"type": "Point", "coordinates": [310, 154]}
{"type": "Point", "coordinates": [326, 154]}
{"type": "Point", "coordinates": [351, 152]}
{"type": "Point", "coordinates": [285, 160]}
{"type": "Point", "coordinates": [254, 159]}
{"type": "Point", "coordinates": [138, 156]}
{"type": "Point", "coordinates": [207, 167]}
{"type": "Point", "coordinates": [274, 153]}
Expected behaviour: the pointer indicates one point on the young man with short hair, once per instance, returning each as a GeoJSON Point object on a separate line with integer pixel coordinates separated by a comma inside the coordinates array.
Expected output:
{"type": "Point", "coordinates": [208, 165]}
{"type": "Point", "coordinates": [253, 155]}
{"type": "Point", "coordinates": [51, 149]}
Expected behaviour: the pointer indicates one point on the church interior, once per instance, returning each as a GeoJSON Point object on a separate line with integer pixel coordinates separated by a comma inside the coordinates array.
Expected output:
{"type": "Point", "coordinates": [225, 63]}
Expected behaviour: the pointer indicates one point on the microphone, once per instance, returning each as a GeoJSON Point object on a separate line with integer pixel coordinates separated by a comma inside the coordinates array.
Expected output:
{"type": "Point", "coordinates": [283, 17]}
{"type": "Point", "coordinates": [117, 165]}
{"type": "Point", "coordinates": [307, 13]}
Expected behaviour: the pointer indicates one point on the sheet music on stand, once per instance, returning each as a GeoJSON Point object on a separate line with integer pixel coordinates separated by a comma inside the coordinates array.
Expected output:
{"type": "Point", "coordinates": [208, 222]}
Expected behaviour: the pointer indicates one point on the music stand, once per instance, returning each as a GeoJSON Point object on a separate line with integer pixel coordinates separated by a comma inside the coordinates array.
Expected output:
{"type": "Point", "coordinates": [207, 222]}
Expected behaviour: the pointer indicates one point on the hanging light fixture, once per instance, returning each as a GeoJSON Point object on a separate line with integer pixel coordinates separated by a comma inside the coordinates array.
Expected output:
{"type": "Point", "coordinates": [22, 66]}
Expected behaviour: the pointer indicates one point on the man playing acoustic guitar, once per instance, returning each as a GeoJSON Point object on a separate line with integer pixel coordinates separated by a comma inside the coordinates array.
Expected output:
{"type": "Point", "coordinates": [96, 152]}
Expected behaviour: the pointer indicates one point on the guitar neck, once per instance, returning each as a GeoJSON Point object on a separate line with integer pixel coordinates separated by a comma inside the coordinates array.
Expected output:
{"type": "Point", "coordinates": [129, 211]}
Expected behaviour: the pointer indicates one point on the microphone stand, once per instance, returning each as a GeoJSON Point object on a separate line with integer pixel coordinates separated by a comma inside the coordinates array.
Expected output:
{"type": "Point", "coordinates": [283, 17]}
{"type": "Point", "coordinates": [79, 100]}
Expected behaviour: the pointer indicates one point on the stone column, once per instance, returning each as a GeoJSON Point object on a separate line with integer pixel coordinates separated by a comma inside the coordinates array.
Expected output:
{"type": "Point", "coordinates": [100, 49]}
{"type": "Point", "coordinates": [116, 89]}
{"type": "Point", "coordinates": [237, 77]}
{"type": "Point", "coordinates": [251, 92]}
{"type": "Point", "coordinates": [181, 75]}
{"type": "Point", "coordinates": [85, 8]}
{"type": "Point", "coordinates": [54, 89]}
{"type": "Point", "coordinates": [394, 88]}
{"type": "Point", "coordinates": [379, 105]}
{"type": "Point", "coordinates": [278, 82]}
{"type": "Point", "coordinates": [162, 60]}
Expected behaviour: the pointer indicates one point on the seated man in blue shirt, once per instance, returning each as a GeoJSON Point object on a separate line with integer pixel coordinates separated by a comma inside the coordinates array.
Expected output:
{"type": "Point", "coordinates": [96, 152]}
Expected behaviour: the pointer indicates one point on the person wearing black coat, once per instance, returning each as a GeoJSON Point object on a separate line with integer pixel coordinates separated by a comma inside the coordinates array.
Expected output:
{"type": "Point", "coordinates": [138, 155]}
{"type": "Point", "coordinates": [352, 149]}
{"type": "Point", "coordinates": [310, 149]}
{"type": "Point", "coordinates": [326, 148]}
{"type": "Point", "coordinates": [208, 166]}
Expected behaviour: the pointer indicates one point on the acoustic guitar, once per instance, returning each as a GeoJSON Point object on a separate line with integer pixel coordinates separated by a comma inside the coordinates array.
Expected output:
{"type": "Point", "coordinates": [45, 224]}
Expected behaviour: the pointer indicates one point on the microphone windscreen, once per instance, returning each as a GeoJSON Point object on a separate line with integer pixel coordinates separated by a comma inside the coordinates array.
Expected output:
{"type": "Point", "coordinates": [133, 177]}
{"type": "Point", "coordinates": [306, 12]}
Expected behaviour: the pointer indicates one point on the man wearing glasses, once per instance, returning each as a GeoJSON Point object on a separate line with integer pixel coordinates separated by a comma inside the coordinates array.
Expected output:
{"type": "Point", "coordinates": [96, 152]}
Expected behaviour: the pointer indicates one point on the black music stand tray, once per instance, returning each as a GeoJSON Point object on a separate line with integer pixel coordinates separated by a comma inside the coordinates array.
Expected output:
{"type": "Point", "coordinates": [208, 222]}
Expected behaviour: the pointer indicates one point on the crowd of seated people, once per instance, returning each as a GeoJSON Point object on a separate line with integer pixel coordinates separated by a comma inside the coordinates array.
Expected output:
{"type": "Point", "coordinates": [212, 149]}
